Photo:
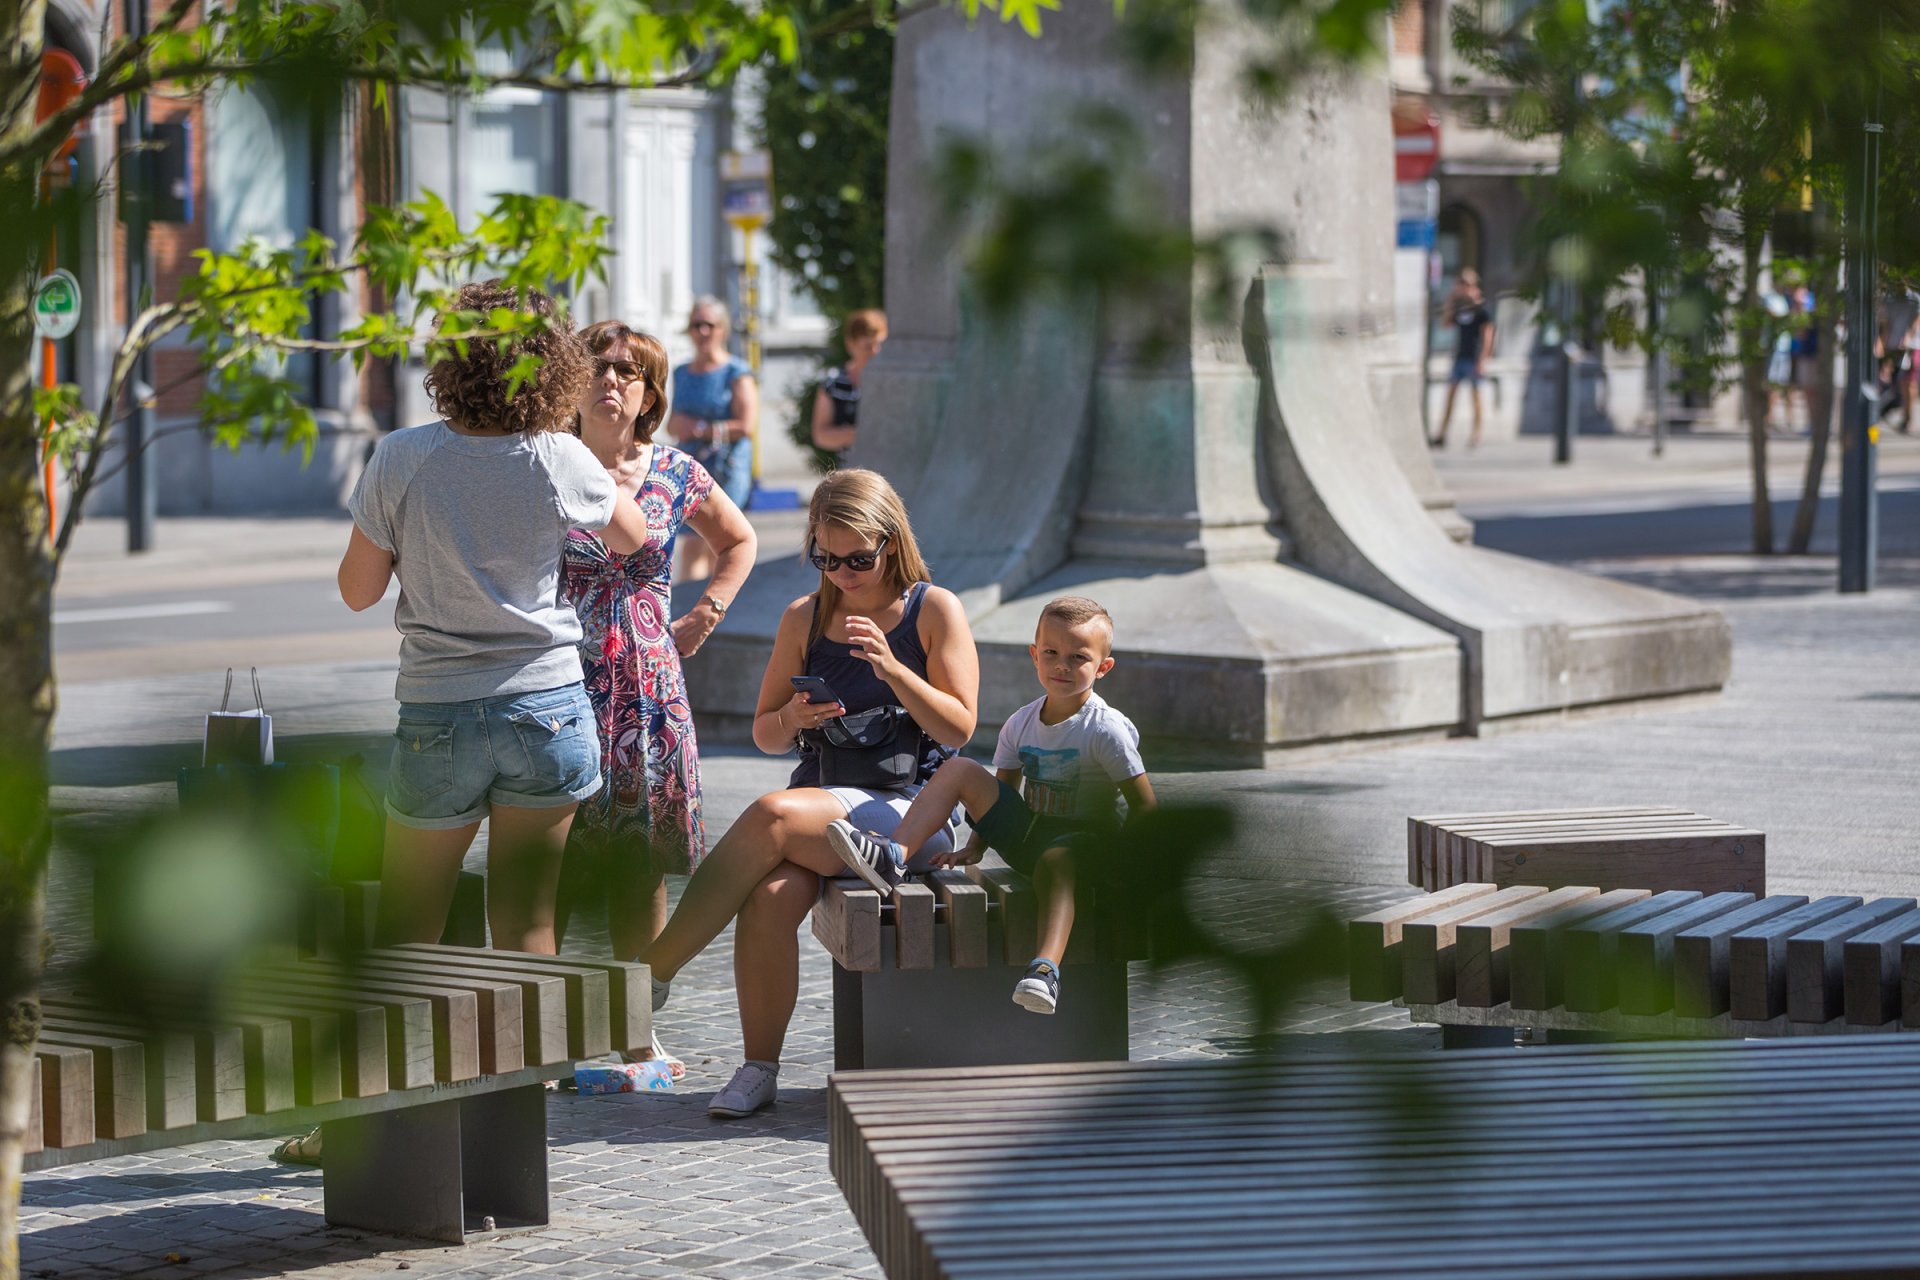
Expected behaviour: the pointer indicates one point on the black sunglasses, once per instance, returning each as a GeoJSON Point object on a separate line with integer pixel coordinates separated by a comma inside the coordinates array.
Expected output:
{"type": "Point", "coordinates": [859, 561]}
{"type": "Point", "coordinates": [624, 370]}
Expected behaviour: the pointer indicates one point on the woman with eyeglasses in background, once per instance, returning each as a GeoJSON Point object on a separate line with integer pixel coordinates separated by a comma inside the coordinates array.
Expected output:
{"type": "Point", "coordinates": [647, 821]}
{"type": "Point", "coordinates": [879, 635]}
{"type": "Point", "coordinates": [716, 410]}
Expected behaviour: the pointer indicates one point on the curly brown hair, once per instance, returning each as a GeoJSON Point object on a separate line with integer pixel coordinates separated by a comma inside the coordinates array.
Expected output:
{"type": "Point", "coordinates": [470, 390]}
{"type": "Point", "coordinates": [644, 350]}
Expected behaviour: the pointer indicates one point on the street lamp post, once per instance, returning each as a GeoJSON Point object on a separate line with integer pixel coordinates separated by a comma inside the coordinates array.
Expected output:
{"type": "Point", "coordinates": [1859, 429]}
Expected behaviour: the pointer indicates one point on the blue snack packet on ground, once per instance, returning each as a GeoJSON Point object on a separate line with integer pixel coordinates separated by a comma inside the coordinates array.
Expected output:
{"type": "Point", "coordinates": [621, 1077]}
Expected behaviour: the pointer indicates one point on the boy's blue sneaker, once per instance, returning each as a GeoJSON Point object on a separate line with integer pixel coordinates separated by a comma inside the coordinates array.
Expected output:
{"type": "Point", "coordinates": [875, 859]}
{"type": "Point", "coordinates": [1039, 991]}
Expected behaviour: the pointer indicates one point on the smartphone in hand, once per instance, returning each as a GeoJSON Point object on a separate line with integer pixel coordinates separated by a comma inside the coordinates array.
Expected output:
{"type": "Point", "coordinates": [815, 689]}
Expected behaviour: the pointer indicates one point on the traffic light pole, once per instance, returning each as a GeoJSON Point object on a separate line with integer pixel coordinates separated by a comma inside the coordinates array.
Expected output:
{"type": "Point", "coordinates": [1859, 419]}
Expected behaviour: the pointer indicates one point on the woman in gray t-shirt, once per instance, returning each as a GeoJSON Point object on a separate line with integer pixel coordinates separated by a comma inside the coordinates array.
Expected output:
{"type": "Point", "coordinates": [471, 514]}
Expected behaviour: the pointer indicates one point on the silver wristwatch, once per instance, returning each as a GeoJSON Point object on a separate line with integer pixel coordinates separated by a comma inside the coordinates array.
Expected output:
{"type": "Point", "coordinates": [719, 605]}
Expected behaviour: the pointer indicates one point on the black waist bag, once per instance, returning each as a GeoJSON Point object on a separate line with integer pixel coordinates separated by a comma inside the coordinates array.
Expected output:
{"type": "Point", "coordinates": [878, 749]}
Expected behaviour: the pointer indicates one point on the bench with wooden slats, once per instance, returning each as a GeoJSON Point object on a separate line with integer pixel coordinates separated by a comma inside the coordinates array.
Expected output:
{"type": "Point", "coordinates": [1646, 847]}
{"type": "Point", "coordinates": [1635, 962]}
{"type": "Point", "coordinates": [423, 1064]}
{"type": "Point", "coordinates": [925, 976]}
{"type": "Point", "coordinates": [1730, 1158]}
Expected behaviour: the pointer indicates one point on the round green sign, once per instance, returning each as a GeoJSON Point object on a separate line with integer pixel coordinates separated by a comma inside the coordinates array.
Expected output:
{"type": "Point", "coordinates": [56, 305]}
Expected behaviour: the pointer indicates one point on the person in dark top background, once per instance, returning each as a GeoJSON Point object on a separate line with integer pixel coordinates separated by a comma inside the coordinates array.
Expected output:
{"type": "Point", "coordinates": [1471, 318]}
{"type": "Point", "coordinates": [836, 405]}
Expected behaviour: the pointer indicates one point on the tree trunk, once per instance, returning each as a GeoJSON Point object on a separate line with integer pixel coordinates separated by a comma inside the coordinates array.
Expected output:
{"type": "Point", "coordinates": [26, 655]}
{"type": "Point", "coordinates": [26, 719]}
{"type": "Point", "coordinates": [1753, 397]}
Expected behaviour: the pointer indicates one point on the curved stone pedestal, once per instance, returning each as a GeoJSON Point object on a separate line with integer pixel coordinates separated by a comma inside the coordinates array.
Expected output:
{"type": "Point", "coordinates": [1535, 638]}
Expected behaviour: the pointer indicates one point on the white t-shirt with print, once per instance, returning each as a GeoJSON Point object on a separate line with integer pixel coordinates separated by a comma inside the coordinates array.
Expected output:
{"type": "Point", "coordinates": [1072, 769]}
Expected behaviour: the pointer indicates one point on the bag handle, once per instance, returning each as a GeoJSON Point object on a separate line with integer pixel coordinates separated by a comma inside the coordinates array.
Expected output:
{"type": "Point", "coordinates": [226, 695]}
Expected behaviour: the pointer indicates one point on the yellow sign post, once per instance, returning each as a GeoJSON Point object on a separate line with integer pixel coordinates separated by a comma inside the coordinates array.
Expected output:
{"type": "Point", "coordinates": [747, 204]}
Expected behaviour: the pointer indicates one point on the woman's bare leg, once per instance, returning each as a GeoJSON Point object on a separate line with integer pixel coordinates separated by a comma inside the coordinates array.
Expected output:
{"type": "Point", "coordinates": [636, 907]}
{"type": "Point", "coordinates": [766, 958]}
{"type": "Point", "coordinates": [417, 879]}
{"type": "Point", "coordinates": [524, 851]}
{"type": "Point", "coordinates": [784, 826]}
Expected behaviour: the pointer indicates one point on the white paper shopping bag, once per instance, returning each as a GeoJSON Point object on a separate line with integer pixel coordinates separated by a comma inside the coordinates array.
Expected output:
{"type": "Point", "coordinates": [239, 737]}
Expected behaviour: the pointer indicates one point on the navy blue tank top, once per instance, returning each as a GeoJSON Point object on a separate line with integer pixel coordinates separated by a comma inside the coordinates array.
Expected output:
{"type": "Point", "coordinates": [860, 689]}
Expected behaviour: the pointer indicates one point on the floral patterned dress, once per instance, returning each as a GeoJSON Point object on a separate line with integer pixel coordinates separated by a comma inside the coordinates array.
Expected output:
{"type": "Point", "coordinates": [650, 804]}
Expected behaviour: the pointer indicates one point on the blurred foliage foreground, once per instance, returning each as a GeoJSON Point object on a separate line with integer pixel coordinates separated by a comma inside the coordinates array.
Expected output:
{"type": "Point", "coordinates": [185, 898]}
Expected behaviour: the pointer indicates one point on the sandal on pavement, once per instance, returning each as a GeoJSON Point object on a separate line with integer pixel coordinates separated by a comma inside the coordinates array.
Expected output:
{"type": "Point", "coordinates": [303, 1149]}
{"type": "Point", "coordinates": [675, 1068]}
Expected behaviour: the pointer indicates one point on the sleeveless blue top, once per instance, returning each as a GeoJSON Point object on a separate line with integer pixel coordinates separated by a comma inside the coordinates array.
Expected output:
{"type": "Point", "coordinates": [709, 395]}
{"type": "Point", "coordinates": [860, 689]}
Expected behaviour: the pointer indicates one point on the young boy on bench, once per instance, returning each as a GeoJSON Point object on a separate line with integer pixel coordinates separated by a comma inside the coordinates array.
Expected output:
{"type": "Point", "coordinates": [1061, 765]}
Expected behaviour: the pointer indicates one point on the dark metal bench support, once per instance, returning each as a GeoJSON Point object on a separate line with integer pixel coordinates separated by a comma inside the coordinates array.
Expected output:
{"type": "Point", "coordinates": [438, 1171]}
{"type": "Point", "coordinates": [966, 1017]}
{"type": "Point", "coordinates": [1453, 1036]}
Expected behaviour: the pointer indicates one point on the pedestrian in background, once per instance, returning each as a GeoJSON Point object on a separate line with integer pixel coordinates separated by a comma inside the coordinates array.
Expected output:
{"type": "Point", "coordinates": [1466, 312]}
{"type": "Point", "coordinates": [716, 410]}
{"type": "Point", "coordinates": [1805, 350]}
{"type": "Point", "coordinates": [646, 823]}
{"type": "Point", "coordinates": [836, 405]}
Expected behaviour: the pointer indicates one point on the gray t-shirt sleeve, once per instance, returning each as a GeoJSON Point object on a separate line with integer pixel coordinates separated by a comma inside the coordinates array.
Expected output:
{"type": "Point", "coordinates": [582, 489]}
{"type": "Point", "coordinates": [375, 496]}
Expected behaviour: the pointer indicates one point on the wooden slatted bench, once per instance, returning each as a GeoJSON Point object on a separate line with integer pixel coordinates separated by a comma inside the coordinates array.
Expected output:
{"type": "Point", "coordinates": [1633, 962]}
{"type": "Point", "coordinates": [423, 1065]}
{"type": "Point", "coordinates": [1632, 847]}
{"type": "Point", "coordinates": [1731, 1158]}
{"type": "Point", "coordinates": [925, 976]}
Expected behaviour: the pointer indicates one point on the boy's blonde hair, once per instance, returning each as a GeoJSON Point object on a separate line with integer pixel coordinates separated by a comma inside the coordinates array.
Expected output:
{"type": "Point", "coordinates": [1075, 611]}
{"type": "Point", "coordinates": [864, 503]}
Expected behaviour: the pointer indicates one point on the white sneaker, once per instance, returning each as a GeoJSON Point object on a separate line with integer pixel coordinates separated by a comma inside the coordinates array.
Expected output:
{"type": "Point", "coordinates": [753, 1086]}
{"type": "Point", "coordinates": [661, 990]}
{"type": "Point", "coordinates": [875, 859]}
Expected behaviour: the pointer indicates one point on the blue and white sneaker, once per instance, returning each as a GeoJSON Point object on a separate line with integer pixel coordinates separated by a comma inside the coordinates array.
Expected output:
{"type": "Point", "coordinates": [875, 859]}
{"type": "Point", "coordinates": [1039, 990]}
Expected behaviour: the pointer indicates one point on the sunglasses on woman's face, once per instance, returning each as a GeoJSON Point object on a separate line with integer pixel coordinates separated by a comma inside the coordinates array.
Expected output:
{"type": "Point", "coordinates": [859, 561]}
{"type": "Point", "coordinates": [700, 326]}
{"type": "Point", "coordinates": [624, 370]}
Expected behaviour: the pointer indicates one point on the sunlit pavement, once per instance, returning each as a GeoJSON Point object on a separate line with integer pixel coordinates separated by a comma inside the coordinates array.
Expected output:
{"type": "Point", "coordinates": [1816, 741]}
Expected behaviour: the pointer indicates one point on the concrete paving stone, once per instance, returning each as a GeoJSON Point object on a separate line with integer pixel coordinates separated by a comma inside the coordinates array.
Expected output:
{"type": "Point", "coordinates": [550, 1255]}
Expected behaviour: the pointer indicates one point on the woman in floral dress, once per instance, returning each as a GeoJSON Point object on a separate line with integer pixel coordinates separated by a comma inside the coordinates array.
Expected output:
{"type": "Point", "coordinates": [646, 822]}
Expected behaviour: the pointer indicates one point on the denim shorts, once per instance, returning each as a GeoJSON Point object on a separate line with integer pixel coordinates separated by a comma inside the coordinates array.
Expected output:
{"type": "Point", "coordinates": [452, 760]}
